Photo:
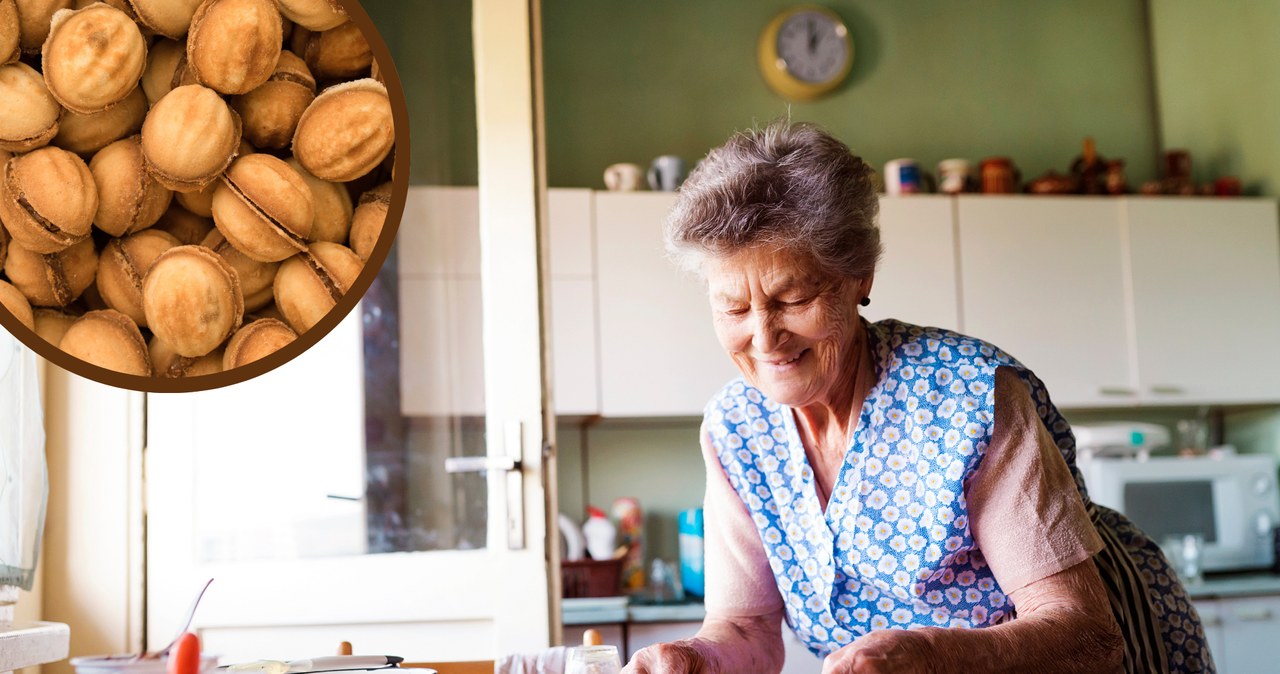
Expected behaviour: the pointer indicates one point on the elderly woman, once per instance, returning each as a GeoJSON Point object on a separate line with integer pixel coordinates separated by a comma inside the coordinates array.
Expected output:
{"type": "Point", "coordinates": [904, 497]}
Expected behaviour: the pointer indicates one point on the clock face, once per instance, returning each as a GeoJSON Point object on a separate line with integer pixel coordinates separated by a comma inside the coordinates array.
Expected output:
{"type": "Point", "coordinates": [813, 47]}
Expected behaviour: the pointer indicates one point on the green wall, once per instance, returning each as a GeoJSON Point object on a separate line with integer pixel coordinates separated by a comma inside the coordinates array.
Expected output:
{"type": "Point", "coordinates": [628, 81]}
{"type": "Point", "coordinates": [1219, 86]}
{"type": "Point", "coordinates": [431, 45]}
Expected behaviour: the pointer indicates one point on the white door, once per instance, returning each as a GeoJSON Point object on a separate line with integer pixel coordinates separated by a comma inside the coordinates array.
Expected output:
{"type": "Point", "coordinates": [320, 501]}
{"type": "Point", "coordinates": [1044, 279]}
{"type": "Point", "coordinates": [1206, 287]}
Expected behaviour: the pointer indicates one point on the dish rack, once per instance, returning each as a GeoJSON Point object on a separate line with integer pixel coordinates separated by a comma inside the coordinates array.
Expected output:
{"type": "Point", "coordinates": [590, 578]}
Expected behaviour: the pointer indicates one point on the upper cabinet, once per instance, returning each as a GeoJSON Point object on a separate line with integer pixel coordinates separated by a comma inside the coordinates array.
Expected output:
{"type": "Point", "coordinates": [439, 272]}
{"type": "Point", "coordinates": [1206, 299]}
{"type": "Point", "coordinates": [1128, 301]}
{"type": "Point", "coordinates": [916, 279]}
{"type": "Point", "coordinates": [658, 352]}
{"type": "Point", "coordinates": [1044, 279]}
{"type": "Point", "coordinates": [1111, 301]}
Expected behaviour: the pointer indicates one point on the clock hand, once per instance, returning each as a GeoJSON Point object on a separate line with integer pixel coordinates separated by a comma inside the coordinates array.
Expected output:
{"type": "Point", "coordinates": [813, 37]}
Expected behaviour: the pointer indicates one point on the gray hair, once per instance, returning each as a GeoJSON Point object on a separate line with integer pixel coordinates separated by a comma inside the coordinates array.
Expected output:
{"type": "Point", "coordinates": [790, 186]}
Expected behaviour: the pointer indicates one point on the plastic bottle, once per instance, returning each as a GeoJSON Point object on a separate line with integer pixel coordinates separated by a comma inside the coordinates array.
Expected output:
{"type": "Point", "coordinates": [630, 519]}
{"type": "Point", "coordinates": [600, 534]}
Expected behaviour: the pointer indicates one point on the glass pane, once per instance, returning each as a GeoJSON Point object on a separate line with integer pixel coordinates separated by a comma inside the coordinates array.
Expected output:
{"type": "Point", "coordinates": [372, 480]}
{"type": "Point", "coordinates": [419, 410]}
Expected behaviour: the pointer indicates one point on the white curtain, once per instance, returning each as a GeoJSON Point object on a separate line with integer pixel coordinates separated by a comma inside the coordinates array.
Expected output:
{"type": "Point", "coordinates": [24, 482]}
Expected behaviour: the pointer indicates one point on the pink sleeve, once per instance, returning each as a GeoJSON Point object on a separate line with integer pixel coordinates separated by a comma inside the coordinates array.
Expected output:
{"type": "Point", "coordinates": [739, 581]}
{"type": "Point", "coordinates": [1025, 514]}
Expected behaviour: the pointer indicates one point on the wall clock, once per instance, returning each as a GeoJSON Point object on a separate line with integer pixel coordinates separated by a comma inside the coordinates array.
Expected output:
{"type": "Point", "coordinates": [805, 52]}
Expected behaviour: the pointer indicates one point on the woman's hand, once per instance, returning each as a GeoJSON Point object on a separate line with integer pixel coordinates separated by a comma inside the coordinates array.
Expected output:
{"type": "Point", "coordinates": [883, 652]}
{"type": "Point", "coordinates": [673, 658]}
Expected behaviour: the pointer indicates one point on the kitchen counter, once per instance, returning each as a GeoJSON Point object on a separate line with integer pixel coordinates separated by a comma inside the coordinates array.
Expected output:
{"type": "Point", "coordinates": [1235, 585]}
{"type": "Point", "coordinates": [609, 610]}
{"type": "Point", "coordinates": [616, 610]}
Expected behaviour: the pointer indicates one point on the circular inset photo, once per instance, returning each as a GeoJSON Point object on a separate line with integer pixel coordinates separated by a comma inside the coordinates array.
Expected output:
{"type": "Point", "coordinates": [192, 192]}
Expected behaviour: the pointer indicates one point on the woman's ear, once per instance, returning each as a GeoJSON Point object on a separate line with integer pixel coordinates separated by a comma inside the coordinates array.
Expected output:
{"type": "Point", "coordinates": [864, 290]}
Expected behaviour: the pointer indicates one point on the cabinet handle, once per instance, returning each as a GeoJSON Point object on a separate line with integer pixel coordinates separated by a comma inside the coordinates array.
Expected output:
{"type": "Point", "coordinates": [1211, 620]}
{"type": "Point", "coordinates": [1254, 615]}
{"type": "Point", "coordinates": [1117, 391]}
{"type": "Point", "coordinates": [1168, 390]}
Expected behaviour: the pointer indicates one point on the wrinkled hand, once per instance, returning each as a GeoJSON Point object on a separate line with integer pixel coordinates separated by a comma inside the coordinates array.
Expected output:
{"type": "Point", "coordinates": [883, 652]}
{"type": "Point", "coordinates": [673, 658]}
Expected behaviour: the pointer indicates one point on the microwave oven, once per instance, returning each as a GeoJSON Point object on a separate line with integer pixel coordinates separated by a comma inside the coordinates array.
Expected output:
{"type": "Point", "coordinates": [1231, 500]}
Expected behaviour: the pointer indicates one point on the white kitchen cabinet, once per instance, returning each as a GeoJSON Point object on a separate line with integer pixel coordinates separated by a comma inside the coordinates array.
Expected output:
{"type": "Point", "coordinates": [916, 279]}
{"type": "Point", "coordinates": [441, 355]}
{"type": "Point", "coordinates": [1206, 298]}
{"type": "Point", "coordinates": [1242, 633]}
{"type": "Point", "coordinates": [1045, 279]}
{"type": "Point", "coordinates": [1211, 618]}
{"type": "Point", "coordinates": [1128, 301]}
{"type": "Point", "coordinates": [658, 352]}
{"type": "Point", "coordinates": [799, 660]}
{"type": "Point", "coordinates": [439, 259]}
{"type": "Point", "coordinates": [574, 355]}
{"type": "Point", "coordinates": [643, 635]}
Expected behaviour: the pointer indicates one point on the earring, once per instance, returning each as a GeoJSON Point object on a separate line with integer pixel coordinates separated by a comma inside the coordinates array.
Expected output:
{"type": "Point", "coordinates": [865, 301]}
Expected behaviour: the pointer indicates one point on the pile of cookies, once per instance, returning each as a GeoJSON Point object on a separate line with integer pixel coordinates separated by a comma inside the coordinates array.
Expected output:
{"type": "Point", "coordinates": [185, 185]}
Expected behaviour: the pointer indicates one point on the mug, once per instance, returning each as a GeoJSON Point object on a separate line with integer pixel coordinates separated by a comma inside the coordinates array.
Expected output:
{"type": "Point", "coordinates": [999, 176]}
{"type": "Point", "coordinates": [953, 176]}
{"type": "Point", "coordinates": [902, 176]}
{"type": "Point", "coordinates": [624, 177]}
{"type": "Point", "coordinates": [666, 173]}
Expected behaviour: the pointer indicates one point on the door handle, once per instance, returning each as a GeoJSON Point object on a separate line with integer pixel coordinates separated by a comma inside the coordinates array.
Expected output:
{"type": "Point", "coordinates": [480, 464]}
{"type": "Point", "coordinates": [512, 465]}
{"type": "Point", "coordinates": [1254, 614]}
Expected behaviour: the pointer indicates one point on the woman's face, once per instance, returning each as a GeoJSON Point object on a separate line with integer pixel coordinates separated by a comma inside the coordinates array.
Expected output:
{"type": "Point", "coordinates": [789, 329]}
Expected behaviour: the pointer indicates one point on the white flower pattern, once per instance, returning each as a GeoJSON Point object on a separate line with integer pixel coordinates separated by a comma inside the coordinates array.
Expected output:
{"type": "Point", "coordinates": [894, 549]}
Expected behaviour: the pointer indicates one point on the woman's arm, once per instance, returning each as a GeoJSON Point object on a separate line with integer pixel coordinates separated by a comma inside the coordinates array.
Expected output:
{"type": "Point", "coordinates": [747, 645]}
{"type": "Point", "coordinates": [1031, 526]}
{"type": "Point", "coordinates": [743, 628]}
{"type": "Point", "coordinates": [1064, 624]}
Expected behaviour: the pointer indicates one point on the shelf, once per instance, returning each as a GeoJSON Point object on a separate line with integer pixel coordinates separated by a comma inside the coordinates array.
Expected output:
{"type": "Point", "coordinates": [30, 644]}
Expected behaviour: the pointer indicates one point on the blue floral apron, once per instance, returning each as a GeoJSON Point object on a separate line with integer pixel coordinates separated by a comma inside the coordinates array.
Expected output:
{"type": "Point", "coordinates": [893, 548]}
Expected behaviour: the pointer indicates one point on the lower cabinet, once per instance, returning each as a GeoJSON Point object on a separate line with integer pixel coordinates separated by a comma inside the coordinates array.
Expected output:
{"type": "Point", "coordinates": [636, 636]}
{"type": "Point", "coordinates": [1242, 633]}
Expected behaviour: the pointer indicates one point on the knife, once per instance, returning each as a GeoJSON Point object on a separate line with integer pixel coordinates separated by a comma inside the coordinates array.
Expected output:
{"type": "Point", "coordinates": [331, 663]}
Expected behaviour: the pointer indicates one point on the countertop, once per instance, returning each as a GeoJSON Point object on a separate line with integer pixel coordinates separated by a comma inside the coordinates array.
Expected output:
{"type": "Point", "coordinates": [613, 610]}
{"type": "Point", "coordinates": [1235, 585]}
{"type": "Point", "coordinates": [606, 610]}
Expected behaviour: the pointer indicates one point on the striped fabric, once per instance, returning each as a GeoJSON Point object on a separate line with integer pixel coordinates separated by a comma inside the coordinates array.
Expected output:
{"type": "Point", "coordinates": [1162, 631]}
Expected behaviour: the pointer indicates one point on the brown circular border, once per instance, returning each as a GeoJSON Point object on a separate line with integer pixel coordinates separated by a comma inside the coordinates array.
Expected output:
{"type": "Point", "coordinates": [372, 266]}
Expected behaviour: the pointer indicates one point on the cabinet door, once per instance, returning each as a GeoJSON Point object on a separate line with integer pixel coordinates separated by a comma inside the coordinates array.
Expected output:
{"type": "Point", "coordinates": [916, 280]}
{"type": "Point", "coordinates": [658, 352]}
{"type": "Point", "coordinates": [1044, 278]}
{"type": "Point", "coordinates": [439, 259]}
{"type": "Point", "coordinates": [1211, 617]}
{"type": "Point", "coordinates": [1249, 635]}
{"type": "Point", "coordinates": [573, 346]}
{"type": "Point", "coordinates": [575, 360]}
{"type": "Point", "coordinates": [643, 635]}
{"type": "Point", "coordinates": [1206, 289]}
{"type": "Point", "coordinates": [441, 352]}
{"type": "Point", "coordinates": [800, 660]}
